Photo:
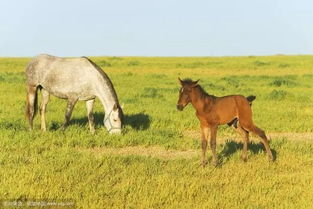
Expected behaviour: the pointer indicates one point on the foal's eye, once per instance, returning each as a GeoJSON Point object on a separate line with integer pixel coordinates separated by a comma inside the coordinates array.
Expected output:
{"type": "Point", "coordinates": [114, 120]}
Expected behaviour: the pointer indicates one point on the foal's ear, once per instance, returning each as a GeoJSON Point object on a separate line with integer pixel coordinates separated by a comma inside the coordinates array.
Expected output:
{"type": "Point", "coordinates": [195, 83]}
{"type": "Point", "coordinates": [180, 81]}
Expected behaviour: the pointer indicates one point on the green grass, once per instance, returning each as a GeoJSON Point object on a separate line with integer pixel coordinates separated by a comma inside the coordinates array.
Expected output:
{"type": "Point", "coordinates": [51, 165]}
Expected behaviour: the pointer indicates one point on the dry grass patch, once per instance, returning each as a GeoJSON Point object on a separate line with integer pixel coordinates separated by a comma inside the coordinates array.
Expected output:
{"type": "Point", "coordinates": [153, 152]}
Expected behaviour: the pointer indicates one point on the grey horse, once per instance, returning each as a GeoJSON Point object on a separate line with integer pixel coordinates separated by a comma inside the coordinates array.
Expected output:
{"type": "Point", "coordinates": [74, 79]}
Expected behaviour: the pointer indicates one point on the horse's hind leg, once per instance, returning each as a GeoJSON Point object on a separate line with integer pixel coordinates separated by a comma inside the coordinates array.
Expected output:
{"type": "Point", "coordinates": [69, 109]}
{"type": "Point", "coordinates": [245, 136]}
{"type": "Point", "coordinates": [43, 106]}
{"type": "Point", "coordinates": [89, 106]}
{"type": "Point", "coordinates": [31, 103]}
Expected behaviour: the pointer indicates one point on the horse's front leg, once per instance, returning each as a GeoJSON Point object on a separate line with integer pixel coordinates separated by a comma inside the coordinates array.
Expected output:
{"type": "Point", "coordinates": [213, 144]}
{"type": "Point", "coordinates": [89, 106]}
{"type": "Point", "coordinates": [204, 143]}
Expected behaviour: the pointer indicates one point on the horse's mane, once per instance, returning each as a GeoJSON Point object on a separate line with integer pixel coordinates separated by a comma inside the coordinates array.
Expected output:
{"type": "Point", "coordinates": [109, 83]}
{"type": "Point", "coordinates": [105, 76]}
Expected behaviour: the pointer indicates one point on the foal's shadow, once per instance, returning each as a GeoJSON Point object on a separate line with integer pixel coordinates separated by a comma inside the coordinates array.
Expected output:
{"type": "Point", "coordinates": [138, 121]}
{"type": "Point", "coordinates": [232, 147]}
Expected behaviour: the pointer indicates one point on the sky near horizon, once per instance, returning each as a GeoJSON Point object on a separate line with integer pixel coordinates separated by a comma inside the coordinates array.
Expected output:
{"type": "Point", "coordinates": [155, 28]}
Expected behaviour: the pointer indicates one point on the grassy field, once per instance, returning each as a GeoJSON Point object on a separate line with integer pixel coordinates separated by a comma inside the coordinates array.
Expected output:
{"type": "Point", "coordinates": [156, 162]}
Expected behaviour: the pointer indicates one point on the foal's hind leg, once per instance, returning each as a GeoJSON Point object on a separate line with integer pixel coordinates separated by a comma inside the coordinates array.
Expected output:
{"type": "Point", "coordinates": [44, 102]}
{"type": "Point", "coordinates": [245, 136]}
{"type": "Point", "coordinates": [259, 132]}
{"type": "Point", "coordinates": [69, 109]}
{"type": "Point", "coordinates": [264, 140]}
{"type": "Point", "coordinates": [89, 106]}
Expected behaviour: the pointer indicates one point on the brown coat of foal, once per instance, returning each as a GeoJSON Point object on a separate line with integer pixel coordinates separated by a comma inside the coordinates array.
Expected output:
{"type": "Point", "coordinates": [213, 111]}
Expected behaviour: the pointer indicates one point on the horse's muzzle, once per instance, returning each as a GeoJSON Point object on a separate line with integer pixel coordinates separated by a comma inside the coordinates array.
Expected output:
{"type": "Point", "coordinates": [115, 131]}
{"type": "Point", "coordinates": [180, 107]}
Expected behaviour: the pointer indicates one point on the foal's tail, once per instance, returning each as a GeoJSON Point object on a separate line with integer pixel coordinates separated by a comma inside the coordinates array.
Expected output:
{"type": "Point", "coordinates": [250, 99]}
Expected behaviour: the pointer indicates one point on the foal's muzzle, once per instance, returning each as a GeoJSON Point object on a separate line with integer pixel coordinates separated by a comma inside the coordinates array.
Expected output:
{"type": "Point", "coordinates": [180, 107]}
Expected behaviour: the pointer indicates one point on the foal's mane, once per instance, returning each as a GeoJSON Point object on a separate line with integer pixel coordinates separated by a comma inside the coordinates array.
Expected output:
{"type": "Point", "coordinates": [203, 93]}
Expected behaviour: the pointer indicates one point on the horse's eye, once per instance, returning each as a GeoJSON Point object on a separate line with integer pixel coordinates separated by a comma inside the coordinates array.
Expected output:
{"type": "Point", "coordinates": [114, 120]}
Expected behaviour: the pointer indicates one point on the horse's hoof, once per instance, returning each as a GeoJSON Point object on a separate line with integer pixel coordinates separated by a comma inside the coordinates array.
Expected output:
{"type": "Point", "coordinates": [244, 158]}
{"type": "Point", "coordinates": [214, 163]}
{"type": "Point", "coordinates": [62, 128]}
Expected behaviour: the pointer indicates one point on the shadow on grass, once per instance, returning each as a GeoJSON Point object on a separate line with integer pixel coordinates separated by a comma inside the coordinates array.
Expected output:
{"type": "Point", "coordinates": [138, 121]}
{"type": "Point", "coordinates": [232, 147]}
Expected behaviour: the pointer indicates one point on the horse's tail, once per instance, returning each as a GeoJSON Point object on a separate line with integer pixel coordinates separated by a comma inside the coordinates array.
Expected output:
{"type": "Point", "coordinates": [250, 99]}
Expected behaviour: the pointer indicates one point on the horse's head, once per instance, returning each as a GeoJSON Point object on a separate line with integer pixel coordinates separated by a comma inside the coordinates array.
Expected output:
{"type": "Point", "coordinates": [113, 120]}
{"type": "Point", "coordinates": [184, 92]}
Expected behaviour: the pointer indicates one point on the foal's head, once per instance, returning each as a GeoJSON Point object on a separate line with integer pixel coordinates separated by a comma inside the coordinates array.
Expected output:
{"type": "Point", "coordinates": [184, 93]}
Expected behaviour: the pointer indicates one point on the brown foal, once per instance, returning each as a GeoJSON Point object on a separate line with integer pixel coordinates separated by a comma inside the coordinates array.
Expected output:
{"type": "Point", "coordinates": [213, 111]}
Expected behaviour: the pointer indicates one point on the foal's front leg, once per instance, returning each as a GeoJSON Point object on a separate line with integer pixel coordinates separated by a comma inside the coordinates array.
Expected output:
{"type": "Point", "coordinates": [213, 144]}
{"type": "Point", "coordinates": [204, 143]}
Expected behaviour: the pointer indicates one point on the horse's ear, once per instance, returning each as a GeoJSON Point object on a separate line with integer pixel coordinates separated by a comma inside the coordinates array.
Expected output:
{"type": "Point", "coordinates": [115, 107]}
{"type": "Point", "coordinates": [180, 81]}
{"type": "Point", "coordinates": [195, 83]}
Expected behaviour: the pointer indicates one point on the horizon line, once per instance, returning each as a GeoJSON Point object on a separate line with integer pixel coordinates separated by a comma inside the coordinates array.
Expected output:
{"type": "Point", "coordinates": [161, 56]}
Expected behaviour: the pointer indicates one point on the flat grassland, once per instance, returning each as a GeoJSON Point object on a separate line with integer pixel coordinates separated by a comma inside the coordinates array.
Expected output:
{"type": "Point", "coordinates": [156, 162]}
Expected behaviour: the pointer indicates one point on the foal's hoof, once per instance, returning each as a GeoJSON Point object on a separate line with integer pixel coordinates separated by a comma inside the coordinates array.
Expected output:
{"type": "Point", "coordinates": [204, 163]}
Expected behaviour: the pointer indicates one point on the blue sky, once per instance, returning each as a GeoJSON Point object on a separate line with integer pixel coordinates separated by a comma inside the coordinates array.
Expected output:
{"type": "Point", "coordinates": [156, 28]}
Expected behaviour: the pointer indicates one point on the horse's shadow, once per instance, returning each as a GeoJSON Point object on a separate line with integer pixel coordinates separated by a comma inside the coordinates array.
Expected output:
{"type": "Point", "coordinates": [231, 147]}
{"type": "Point", "coordinates": [138, 121]}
